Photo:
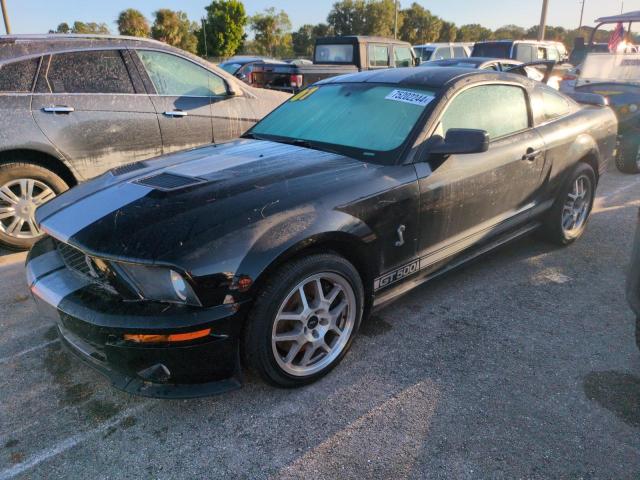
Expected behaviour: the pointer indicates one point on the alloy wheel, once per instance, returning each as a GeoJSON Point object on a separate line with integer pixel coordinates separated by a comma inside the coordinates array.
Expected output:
{"type": "Point", "coordinates": [18, 202]}
{"type": "Point", "coordinates": [313, 324]}
{"type": "Point", "coordinates": [577, 205]}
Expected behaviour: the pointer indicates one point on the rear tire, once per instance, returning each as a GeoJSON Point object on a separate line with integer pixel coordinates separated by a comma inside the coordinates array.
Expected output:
{"type": "Point", "coordinates": [628, 157]}
{"type": "Point", "coordinates": [568, 218]}
{"type": "Point", "coordinates": [290, 341]}
{"type": "Point", "coordinates": [23, 188]}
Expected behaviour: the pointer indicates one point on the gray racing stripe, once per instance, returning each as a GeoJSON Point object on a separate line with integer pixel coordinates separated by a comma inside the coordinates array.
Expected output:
{"type": "Point", "coordinates": [70, 220]}
{"type": "Point", "coordinates": [54, 287]}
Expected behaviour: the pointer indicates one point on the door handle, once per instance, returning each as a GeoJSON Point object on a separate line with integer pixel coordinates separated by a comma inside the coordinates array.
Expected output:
{"type": "Point", "coordinates": [176, 113]}
{"type": "Point", "coordinates": [58, 109]}
{"type": "Point", "coordinates": [531, 154]}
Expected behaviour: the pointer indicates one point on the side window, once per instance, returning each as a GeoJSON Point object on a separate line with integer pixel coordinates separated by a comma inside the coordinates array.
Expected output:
{"type": "Point", "coordinates": [498, 109]}
{"type": "Point", "coordinates": [459, 52]}
{"type": "Point", "coordinates": [98, 71]}
{"type": "Point", "coordinates": [524, 52]}
{"type": "Point", "coordinates": [542, 53]}
{"type": "Point", "coordinates": [555, 105]}
{"type": "Point", "coordinates": [17, 77]}
{"type": "Point", "coordinates": [552, 54]}
{"type": "Point", "coordinates": [175, 76]}
{"type": "Point", "coordinates": [378, 55]}
{"type": "Point", "coordinates": [442, 53]}
{"type": "Point", "coordinates": [402, 56]}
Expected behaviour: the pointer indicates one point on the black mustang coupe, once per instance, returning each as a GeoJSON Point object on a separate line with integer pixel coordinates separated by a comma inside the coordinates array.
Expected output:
{"type": "Point", "coordinates": [270, 251]}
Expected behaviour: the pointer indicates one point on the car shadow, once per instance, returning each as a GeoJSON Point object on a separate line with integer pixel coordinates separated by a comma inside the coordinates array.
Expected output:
{"type": "Point", "coordinates": [616, 391]}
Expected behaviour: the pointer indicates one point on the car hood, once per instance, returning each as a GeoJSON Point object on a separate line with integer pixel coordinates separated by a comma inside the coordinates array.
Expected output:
{"type": "Point", "coordinates": [161, 210]}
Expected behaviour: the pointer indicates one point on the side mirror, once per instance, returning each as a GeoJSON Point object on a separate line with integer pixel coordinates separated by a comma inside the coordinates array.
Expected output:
{"type": "Point", "coordinates": [417, 61]}
{"type": "Point", "coordinates": [459, 141]}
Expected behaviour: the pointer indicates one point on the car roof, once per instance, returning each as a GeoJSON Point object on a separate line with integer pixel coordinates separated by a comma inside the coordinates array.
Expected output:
{"type": "Point", "coordinates": [360, 38]}
{"type": "Point", "coordinates": [429, 77]}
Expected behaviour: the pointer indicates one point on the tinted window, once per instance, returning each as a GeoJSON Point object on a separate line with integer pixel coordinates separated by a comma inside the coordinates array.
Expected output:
{"type": "Point", "coordinates": [175, 76]}
{"type": "Point", "coordinates": [498, 109]}
{"type": "Point", "coordinates": [492, 50]}
{"type": "Point", "coordinates": [424, 53]}
{"type": "Point", "coordinates": [378, 55]}
{"type": "Point", "coordinates": [459, 52]}
{"type": "Point", "coordinates": [442, 53]}
{"type": "Point", "coordinates": [555, 105]}
{"type": "Point", "coordinates": [403, 56]}
{"type": "Point", "coordinates": [18, 76]}
{"type": "Point", "coordinates": [85, 72]}
{"type": "Point", "coordinates": [334, 53]}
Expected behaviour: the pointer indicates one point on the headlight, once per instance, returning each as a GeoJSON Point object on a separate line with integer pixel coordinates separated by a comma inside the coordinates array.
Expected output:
{"type": "Point", "coordinates": [160, 284]}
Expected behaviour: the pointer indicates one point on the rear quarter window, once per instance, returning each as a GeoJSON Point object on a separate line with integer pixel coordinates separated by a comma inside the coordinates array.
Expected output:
{"type": "Point", "coordinates": [17, 77]}
{"type": "Point", "coordinates": [554, 105]}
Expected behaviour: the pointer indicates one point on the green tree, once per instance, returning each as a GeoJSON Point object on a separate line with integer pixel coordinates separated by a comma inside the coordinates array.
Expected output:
{"type": "Point", "coordinates": [473, 32]}
{"type": "Point", "coordinates": [86, 28]}
{"type": "Point", "coordinates": [224, 28]}
{"type": "Point", "coordinates": [419, 25]}
{"type": "Point", "coordinates": [551, 33]}
{"type": "Point", "coordinates": [348, 17]}
{"type": "Point", "coordinates": [272, 32]}
{"type": "Point", "coordinates": [133, 23]}
{"type": "Point", "coordinates": [380, 18]}
{"type": "Point", "coordinates": [62, 28]}
{"type": "Point", "coordinates": [303, 40]}
{"type": "Point", "coordinates": [175, 29]}
{"type": "Point", "coordinates": [448, 32]}
{"type": "Point", "coordinates": [509, 32]}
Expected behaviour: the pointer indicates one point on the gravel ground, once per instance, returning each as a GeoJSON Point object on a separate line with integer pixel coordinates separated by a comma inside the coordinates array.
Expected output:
{"type": "Point", "coordinates": [522, 364]}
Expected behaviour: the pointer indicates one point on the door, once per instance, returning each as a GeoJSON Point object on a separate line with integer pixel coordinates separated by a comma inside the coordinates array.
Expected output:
{"type": "Point", "coordinates": [93, 108]}
{"type": "Point", "coordinates": [183, 92]}
{"type": "Point", "coordinates": [469, 198]}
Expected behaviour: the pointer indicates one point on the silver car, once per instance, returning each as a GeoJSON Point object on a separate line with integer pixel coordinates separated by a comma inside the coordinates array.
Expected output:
{"type": "Point", "coordinates": [75, 106]}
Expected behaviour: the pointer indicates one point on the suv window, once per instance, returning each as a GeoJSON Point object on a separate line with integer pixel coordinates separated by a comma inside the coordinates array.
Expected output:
{"type": "Point", "coordinates": [403, 57]}
{"type": "Point", "coordinates": [378, 55]}
{"type": "Point", "coordinates": [18, 76]}
{"type": "Point", "coordinates": [459, 52]}
{"type": "Point", "coordinates": [555, 105]}
{"type": "Point", "coordinates": [100, 71]}
{"type": "Point", "coordinates": [175, 76]}
{"type": "Point", "coordinates": [442, 53]}
{"type": "Point", "coordinates": [334, 53]}
{"type": "Point", "coordinates": [553, 54]}
{"type": "Point", "coordinates": [498, 109]}
{"type": "Point", "coordinates": [525, 53]}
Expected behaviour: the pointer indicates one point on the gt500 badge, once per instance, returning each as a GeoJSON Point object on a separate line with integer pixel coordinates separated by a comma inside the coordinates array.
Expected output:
{"type": "Point", "coordinates": [396, 275]}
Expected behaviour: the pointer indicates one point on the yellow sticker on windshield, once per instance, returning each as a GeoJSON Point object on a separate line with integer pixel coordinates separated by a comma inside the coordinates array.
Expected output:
{"type": "Point", "coordinates": [303, 95]}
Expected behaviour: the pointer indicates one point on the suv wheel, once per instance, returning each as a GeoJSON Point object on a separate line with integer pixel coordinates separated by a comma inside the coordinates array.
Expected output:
{"type": "Point", "coordinates": [23, 188]}
{"type": "Point", "coordinates": [304, 321]}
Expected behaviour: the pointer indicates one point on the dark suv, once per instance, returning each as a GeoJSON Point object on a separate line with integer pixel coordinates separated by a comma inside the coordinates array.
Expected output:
{"type": "Point", "coordinates": [76, 106]}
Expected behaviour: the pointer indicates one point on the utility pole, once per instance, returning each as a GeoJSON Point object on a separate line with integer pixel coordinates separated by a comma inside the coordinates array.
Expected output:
{"type": "Point", "coordinates": [204, 36]}
{"type": "Point", "coordinates": [395, 25]}
{"type": "Point", "coordinates": [5, 15]}
{"type": "Point", "coordinates": [582, 13]}
{"type": "Point", "coordinates": [543, 20]}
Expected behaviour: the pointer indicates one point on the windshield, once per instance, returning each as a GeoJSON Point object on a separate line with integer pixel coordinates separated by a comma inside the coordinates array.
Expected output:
{"type": "Point", "coordinates": [334, 54]}
{"type": "Point", "coordinates": [230, 67]}
{"type": "Point", "coordinates": [366, 121]}
{"type": "Point", "coordinates": [492, 50]}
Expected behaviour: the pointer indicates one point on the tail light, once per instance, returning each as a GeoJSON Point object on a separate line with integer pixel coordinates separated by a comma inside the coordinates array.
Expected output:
{"type": "Point", "coordinates": [569, 77]}
{"type": "Point", "coordinates": [296, 81]}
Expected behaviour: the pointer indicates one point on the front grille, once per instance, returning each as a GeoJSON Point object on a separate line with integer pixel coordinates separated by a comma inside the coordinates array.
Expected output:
{"type": "Point", "coordinates": [82, 264]}
{"type": "Point", "coordinates": [169, 181]}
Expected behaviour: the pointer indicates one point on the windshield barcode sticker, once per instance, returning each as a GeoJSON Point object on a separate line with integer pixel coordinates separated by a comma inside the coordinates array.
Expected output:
{"type": "Point", "coordinates": [414, 98]}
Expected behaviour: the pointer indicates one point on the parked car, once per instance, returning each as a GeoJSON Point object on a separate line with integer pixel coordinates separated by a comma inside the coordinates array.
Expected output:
{"type": "Point", "coordinates": [442, 51]}
{"type": "Point", "coordinates": [335, 56]}
{"type": "Point", "coordinates": [76, 106]}
{"type": "Point", "coordinates": [242, 67]}
{"type": "Point", "coordinates": [524, 50]}
{"type": "Point", "coordinates": [276, 247]}
{"type": "Point", "coordinates": [633, 280]}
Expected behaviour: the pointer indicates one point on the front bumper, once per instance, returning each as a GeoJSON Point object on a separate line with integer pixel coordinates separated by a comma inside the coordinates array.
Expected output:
{"type": "Point", "coordinates": [91, 323]}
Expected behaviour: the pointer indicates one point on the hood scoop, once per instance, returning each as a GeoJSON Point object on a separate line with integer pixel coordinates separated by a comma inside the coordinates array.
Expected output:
{"type": "Point", "coordinates": [129, 167]}
{"type": "Point", "coordinates": [169, 181]}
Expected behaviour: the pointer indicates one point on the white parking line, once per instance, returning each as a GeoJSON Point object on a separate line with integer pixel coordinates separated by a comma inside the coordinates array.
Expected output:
{"type": "Point", "coordinates": [28, 350]}
{"type": "Point", "coordinates": [67, 444]}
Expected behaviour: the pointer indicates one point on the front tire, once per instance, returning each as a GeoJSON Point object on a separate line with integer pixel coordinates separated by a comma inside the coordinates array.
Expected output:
{"type": "Point", "coordinates": [568, 218]}
{"type": "Point", "coordinates": [304, 321]}
{"type": "Point", "coordinates": [23, 188]}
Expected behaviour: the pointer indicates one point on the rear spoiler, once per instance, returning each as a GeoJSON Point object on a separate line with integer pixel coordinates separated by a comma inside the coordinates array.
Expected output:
{"type": "Point", "coordinates": [589, 98]}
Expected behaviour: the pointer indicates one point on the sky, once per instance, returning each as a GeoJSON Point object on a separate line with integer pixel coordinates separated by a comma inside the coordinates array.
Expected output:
{"type": "Point", "coordinates": [39, 16]}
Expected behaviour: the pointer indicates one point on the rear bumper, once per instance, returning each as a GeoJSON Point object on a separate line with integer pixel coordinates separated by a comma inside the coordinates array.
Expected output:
{"type": "Point", "coordinates": [91, 325]}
